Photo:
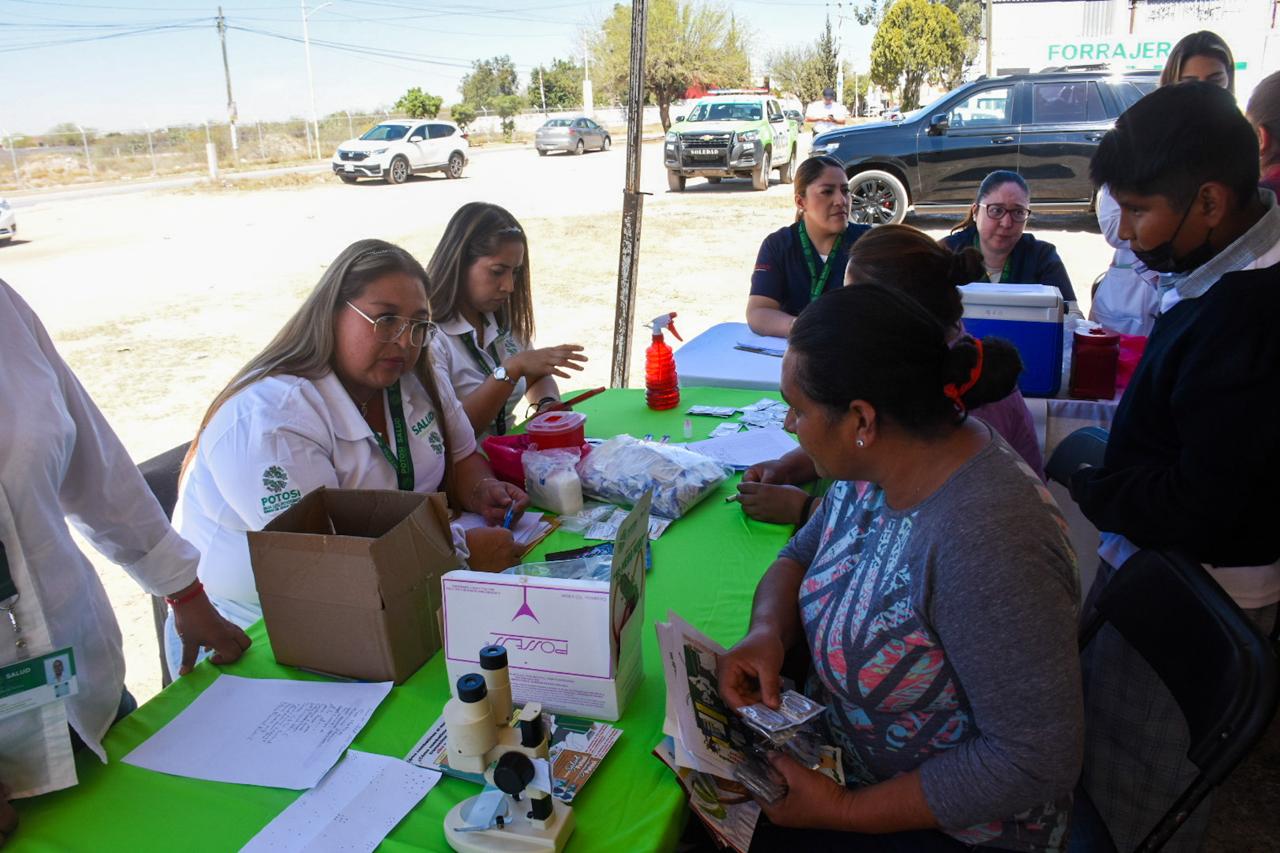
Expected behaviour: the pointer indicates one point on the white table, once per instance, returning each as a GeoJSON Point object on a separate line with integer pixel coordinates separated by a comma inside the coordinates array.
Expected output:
{"type": "Point", "coordinates": [711, 360]}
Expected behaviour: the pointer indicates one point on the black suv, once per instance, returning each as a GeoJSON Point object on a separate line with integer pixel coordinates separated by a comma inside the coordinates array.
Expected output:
{"type": "Point", "coordinates": [1045, 127]}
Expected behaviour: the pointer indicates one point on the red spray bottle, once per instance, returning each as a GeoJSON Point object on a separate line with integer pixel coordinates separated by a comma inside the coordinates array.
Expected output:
{"type": "Point", "coordinates": [662, 388]}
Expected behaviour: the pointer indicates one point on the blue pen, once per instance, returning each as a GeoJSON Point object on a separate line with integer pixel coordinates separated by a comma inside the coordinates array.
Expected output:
{"type": "Point", "coordinates": [506, 520]}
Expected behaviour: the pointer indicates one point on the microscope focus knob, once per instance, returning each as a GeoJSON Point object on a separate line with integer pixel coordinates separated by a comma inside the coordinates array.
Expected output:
{"type": "Point", "coordinates": [513, 773]}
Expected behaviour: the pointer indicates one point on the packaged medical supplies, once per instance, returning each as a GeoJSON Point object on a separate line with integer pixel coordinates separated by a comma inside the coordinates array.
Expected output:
{"type": "Point", "coordinates": [624, 468]}
{"type": "Point", "coordinates": [551, 479]}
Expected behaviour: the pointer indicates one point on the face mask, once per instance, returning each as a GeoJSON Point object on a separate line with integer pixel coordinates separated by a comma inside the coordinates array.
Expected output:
{"type": "Point", "coordinates": [1161, 259]}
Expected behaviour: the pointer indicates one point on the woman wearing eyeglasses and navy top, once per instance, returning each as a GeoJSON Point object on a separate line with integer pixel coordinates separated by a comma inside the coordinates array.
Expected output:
{"type": "Point", "coordinates": [996, 227]}
{"type": "Point", "coordinates": [344, 396]}
{"type": "Point", "coordinates": [799, 263]}
{"type": "Point", "coordinates": [482, 302]}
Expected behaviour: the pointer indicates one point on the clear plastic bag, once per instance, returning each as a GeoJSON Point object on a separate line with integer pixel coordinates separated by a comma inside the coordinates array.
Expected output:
{"type": "Point", "coordinates": [623, 468]}
{"type": "Point", "coordinates": [598, 567]}
{"type": "Point", "coordinates": [551, 479]}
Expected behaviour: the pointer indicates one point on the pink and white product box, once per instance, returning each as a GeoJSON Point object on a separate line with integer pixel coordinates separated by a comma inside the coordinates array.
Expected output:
{"type": "Point", "coordinates": [573, 645]}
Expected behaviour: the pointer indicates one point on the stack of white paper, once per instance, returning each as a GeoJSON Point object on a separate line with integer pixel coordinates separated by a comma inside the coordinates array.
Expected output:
{"type": "Point", "coordinates": [741, 450]}
{"type": "Point", "coordinates": [529, 529]}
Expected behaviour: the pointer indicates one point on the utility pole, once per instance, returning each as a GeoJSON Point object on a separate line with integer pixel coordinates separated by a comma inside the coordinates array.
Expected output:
{"type": "Point", "coordinates": [632, 206]}
{"type": "Point", "coordinates": [543, 90]}
{"type": "Point", "coordinates": [839, 55]}
{"type": "Point", "coordinates": [990, 65]}
{"type": "Point", "coordinates": [226, 70]}
{"type": "Point", "coordinates": [311, 83]}
{"type": "Point", "coordinates": [588, 96]}
{"type": "Point", "coordinates": [88, 159]}
{"type": "Point", "coordinates": [13, 156]}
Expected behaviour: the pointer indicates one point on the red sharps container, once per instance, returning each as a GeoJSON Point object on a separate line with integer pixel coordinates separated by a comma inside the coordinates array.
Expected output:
{"type": "Point", "coordinates": [1095, 355]}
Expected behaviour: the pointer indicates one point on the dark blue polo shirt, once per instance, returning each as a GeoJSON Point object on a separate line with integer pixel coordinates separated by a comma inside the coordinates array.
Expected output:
{"type": "Point", "coordinates": [782, 275]}
{"type": "Point", "coordinates": [1032, 261]}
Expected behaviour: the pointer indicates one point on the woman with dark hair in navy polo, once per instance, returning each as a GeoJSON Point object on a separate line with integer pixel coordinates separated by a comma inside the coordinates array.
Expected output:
{"type": "Point", "coordinates": [995, 227]}
{"type": "Point", "coordinates": [799, 263]}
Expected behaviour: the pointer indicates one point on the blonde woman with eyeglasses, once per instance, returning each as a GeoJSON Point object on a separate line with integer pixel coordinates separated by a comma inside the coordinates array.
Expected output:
{"type": "Point", "coordinates": [482, 301]}
{"type": "Point", "coordinates": [996, 227]}
{"type": "Point", "coordinates": [345, 397]}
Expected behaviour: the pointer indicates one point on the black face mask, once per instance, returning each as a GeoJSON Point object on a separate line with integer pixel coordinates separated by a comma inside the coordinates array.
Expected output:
{"type": "Point", "coordinates": [1161, 258]}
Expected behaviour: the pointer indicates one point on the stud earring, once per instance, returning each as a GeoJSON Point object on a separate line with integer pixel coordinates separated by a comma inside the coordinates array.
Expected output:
{"type": "Point", "coordinates": [860, 443]}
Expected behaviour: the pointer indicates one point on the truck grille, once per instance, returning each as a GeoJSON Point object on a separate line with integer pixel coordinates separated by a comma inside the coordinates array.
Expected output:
{"type": "Point", "coordinates": [352, 155]}
{"type": "Point", "coordinates": [705, 149]}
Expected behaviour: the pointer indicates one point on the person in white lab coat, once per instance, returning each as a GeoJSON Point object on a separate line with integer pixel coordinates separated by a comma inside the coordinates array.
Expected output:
{"type": "Point", "coordinates": [482, 301]}
{"type": "Point", "coordinates": [344, 396]}
{"type": "Point", "coordinates": [60, 461]}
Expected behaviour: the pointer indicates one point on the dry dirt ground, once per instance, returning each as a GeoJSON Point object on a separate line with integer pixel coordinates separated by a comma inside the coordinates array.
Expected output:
{"type": "Point", "coordinates": [155, 299]}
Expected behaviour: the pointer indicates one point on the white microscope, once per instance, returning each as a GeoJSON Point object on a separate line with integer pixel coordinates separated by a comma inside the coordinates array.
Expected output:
{"type": "Point", "coordinates": [518, 813]}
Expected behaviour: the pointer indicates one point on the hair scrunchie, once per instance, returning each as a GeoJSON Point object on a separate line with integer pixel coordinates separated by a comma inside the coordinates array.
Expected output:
{"type": "Point", "coordinates": [955, 393]}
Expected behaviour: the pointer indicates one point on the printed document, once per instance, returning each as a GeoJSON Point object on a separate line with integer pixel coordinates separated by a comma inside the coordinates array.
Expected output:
{"type": "Point", "coordinates": [262, 731]}
{"type": "Point", "coordinates": [352, 809]}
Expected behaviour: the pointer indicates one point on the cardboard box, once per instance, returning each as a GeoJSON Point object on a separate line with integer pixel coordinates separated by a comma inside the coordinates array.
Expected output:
{"type": "Point", "coordinates": [350, 581]}
{"type": "Point", "coordinates": [573, 645]}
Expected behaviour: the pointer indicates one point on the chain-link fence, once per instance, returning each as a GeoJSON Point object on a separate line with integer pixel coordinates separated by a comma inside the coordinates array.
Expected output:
{"type": "Point", "coordinates": [70, 154]}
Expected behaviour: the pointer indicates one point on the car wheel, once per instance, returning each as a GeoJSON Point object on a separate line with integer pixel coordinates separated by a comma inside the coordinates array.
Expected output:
{"type": "Point", "coordinates": [398, 171]}
{"type": "Point", "coordinates": [760, 177]}
{"type": "Point", "coordinates": [714, 179]}
{"type": "Point", "coordinates": [454, 169]}
{"type": "Point", "coordinates": [348, 179]}
{"type": "Point", "coordinates": [787, 173]}
{"type": "Point", "coordinates": [542, 152]}
{"type": "Point", "coordinates": [877, 198]}
{"type": "Point", "coordinates": [606, 144]}
{"type": "Point", "coordinates": [579, 148]}
{"type": "Point", "coordinates": [675, 182]}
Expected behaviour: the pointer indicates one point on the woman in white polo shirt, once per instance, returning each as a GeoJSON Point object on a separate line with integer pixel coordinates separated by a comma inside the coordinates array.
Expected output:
{"type": "Point", "coordinates": [344, 397]}
{"type": "Point", "coordinates": [482, 303]}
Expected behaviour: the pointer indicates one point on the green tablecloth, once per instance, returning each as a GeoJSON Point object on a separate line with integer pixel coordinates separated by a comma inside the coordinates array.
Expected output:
{"type": "Point", "coordinates": [706, 567]}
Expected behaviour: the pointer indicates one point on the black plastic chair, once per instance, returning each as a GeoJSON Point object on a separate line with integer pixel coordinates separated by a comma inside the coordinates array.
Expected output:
{"type": "Point", "coordinates": [161, 473]}
{"type": "Point", "coordinates": [1085, 446]}
{"type": "Point", "coordinates": [1218, 666]}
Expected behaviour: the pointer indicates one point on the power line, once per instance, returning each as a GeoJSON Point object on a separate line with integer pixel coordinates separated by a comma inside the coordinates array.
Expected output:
{"type": "Point", "coordinates": [449, 62]}
{"type": "Point", "coordinates": [101, 37]}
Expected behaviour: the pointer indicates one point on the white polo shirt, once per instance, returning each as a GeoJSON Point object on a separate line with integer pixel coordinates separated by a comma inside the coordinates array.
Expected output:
{"type": "Point", "coordinates": [464, 362]}
{"type": "Point", "coordinates": [279, 439]}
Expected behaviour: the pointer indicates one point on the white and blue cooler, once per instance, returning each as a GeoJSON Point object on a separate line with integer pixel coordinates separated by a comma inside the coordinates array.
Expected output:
{"type": "Point", "coordinates": [1030, 316]}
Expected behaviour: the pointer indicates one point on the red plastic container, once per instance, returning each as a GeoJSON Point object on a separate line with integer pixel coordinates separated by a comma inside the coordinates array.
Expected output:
{"type": "Point", "coordinates": [1094, 358]}
{"type": "Point", "coordinates": [557, 429]}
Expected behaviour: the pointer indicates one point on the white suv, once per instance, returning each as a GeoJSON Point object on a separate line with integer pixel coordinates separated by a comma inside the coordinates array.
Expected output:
{"type": "Point", "coordinates": [396, 149]}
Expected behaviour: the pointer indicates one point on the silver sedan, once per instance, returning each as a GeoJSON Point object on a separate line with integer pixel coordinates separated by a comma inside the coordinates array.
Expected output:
{"type": "Point", "coordinates": [571, 134]}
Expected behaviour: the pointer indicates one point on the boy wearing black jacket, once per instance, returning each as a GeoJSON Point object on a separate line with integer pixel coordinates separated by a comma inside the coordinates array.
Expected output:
{"type": "Point", "coordinates": [1193, 462]}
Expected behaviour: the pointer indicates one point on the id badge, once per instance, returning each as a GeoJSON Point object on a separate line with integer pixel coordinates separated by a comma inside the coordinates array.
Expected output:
{"type": "Point", "coordinates": [37, 681]}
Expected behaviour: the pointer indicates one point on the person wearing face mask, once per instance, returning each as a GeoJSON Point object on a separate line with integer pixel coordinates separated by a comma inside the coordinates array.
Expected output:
{"type": "Point", "coordinates": [478, 284]}
{"type": "Point", "coordinates": [343, 397]}
{"type": "Point", "coordinates": [995, 227]}
{"type": "Point", "coordinates": [1192, 461]}
{"type": "Point", "coordinates": [806, 259]}
{"type": "Point", "coordinates": [1126, 300]}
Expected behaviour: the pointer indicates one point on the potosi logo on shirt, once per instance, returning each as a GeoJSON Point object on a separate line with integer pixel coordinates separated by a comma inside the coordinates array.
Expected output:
{"type": "Point", "coordinates": [275, 480]}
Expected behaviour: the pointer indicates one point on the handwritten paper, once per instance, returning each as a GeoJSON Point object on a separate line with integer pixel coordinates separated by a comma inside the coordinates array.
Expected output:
{"type": "Point", "coordinates": [353, 808]}
{"type": "Point", "coordinates": [262, 731]}
{"type": "Point", "coordinates": [528, 530]}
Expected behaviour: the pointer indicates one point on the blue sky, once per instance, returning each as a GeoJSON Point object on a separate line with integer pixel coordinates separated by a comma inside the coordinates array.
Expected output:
{"type": "Point", "coordinates": [114, 77]}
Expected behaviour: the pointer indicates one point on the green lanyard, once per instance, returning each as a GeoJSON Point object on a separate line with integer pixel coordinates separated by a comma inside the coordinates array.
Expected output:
{"type": "Point", "coordinates": [7, 587]}
{"type": "Point", "coordinates": [499, 422]}
{"type": "Point", "coordinates": [1004, 274]}
{"type": "Point", "coordinates": [402, 459]}
{"type": "Point", "coordinates": [817, 282]}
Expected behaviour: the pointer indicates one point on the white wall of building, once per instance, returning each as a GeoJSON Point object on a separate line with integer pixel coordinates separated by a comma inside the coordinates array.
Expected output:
{"type": "Point", "coordinates": [1029, 36]}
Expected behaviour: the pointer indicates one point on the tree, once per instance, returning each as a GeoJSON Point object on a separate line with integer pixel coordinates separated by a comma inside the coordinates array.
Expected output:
{"type": "Point", "coordinates": [806, 71]}
{"type": "Point", "coordinates": [489, 80]}
{"type": "Point", "coordinates": [416, 103]}
{"type": "Point", "coordinates": [561, 82]}
{"type": "Point", "coordinates": [508, 106]}
{"type": "Point", "coordinates": [690, 42]}
{"type": "Point", "coordinates": [918, 42]}
{"type": "Point", "coordinates": [462, 114]}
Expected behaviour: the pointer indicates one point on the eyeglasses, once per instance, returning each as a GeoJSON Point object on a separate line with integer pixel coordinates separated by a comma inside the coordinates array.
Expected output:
{"type": "Point", "coordinates": [999, 211]}
{"type": "Point", "coordinates": [390, 328]}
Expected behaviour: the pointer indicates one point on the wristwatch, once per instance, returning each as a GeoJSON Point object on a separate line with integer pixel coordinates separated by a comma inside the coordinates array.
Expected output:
{"type": "Point", "coordinates": [500, 373]}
